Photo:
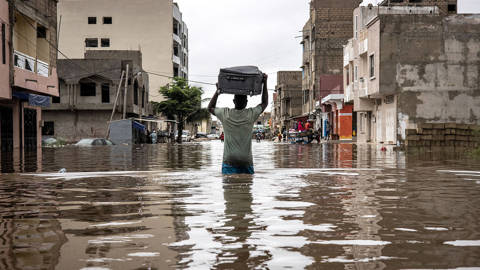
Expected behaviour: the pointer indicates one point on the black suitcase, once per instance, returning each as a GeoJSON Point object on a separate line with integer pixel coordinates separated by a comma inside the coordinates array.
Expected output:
{"type": "Point", "coordinates": [243, 80]}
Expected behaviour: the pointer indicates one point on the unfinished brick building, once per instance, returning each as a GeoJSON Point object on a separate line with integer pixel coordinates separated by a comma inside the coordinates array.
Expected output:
{"type": "Point", "coordinates": [324, 35]}
{"type": "Point", "coordinates": [288, 98]}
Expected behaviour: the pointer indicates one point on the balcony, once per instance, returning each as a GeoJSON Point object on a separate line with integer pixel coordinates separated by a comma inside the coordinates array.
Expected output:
{"type": "Point", "coordinates": [176, 60]}
{"type": "Point", "coordinates": [349, 93]}
{"type": "Point", "coordinates": [32, 56]}
{"type": "Point", "coordinates": [363, 47]}
{"type": "Point", "coordinates": [363, 88]}
{"type": "Point", "coordinates": [35, 75]}
{"type": "Point", "coordinates": [177, 38]}
{"type": "Point", "coordinates": [29, 63]}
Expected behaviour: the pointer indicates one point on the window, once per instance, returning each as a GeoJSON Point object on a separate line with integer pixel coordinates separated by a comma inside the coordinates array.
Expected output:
{"type": "Point", "coordinates": [372, 66]}
{"type": "Point", "coordinates": [107, 20]}
{"type": "Point", "coordinates": [355, 73]}
{"type": "Point", "coordinates": [92, 20]}
{"type": "Point", "coordinates": [48, 128]}
{"type": "Point", "coordinates": [88, 89]}
{"type": "Point", "coordinates": [135, 92]}
{"type": "Point", "coordinates": [4, 50]}
{"type": "Point", "coordinates": [105, 93]}
{"type": "Point", "coordinates": [356, 26]}
{"type": "Point", "coordinates": [143, 97]}
{"type": "Point", "coordinates": [347, 73]}
{"type": "Point", "coordinates": [41, 32]}
{"type": "Point", "coordinates": [175, 71]}
{"type": "Point", "coordinates": [175, 27]}
{"type": "Point", "coordinates": [55, 99]}
{"type": "Point", "coordinates": [452, 8]}
{"type": "Point", "coordinates": [91, 42]}
{"type": "Point", "coordinates": [105, 42]}
{"type": "Point", "coordinates": [351, 75]}
{"type": "Point", "coordinates": [175, 48]}
{"type": "Point", "coordinates": [389, 99]}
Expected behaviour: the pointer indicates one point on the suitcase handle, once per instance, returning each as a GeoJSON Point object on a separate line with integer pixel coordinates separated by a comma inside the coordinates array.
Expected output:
{"type": "Point", "coordinates": [235, 78]}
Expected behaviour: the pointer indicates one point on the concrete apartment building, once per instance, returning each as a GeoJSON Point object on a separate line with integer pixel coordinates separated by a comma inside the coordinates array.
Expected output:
{"type": "Point", "coordinates": [324, 35]}
{"type": "Point", "coordinates": [407, 66]}
{"type": "Point", "coordinates": [153, 27]}
{"type": "Point", "coordinates": [87, 99]}
{"type": "Point", "coordinates": [28, 77]}
{"type": "Point", "coordinates": [289, 98]}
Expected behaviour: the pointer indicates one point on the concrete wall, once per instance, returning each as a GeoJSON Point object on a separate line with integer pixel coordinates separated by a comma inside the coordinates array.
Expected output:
{"type": "Point", "coordinates": [121, 132]}
{"type": "Point", "coordinates": [442, 4]}
{"type": "Point", "coordinates": [137, 25]}
{"type": "Point", "coordinates": [434, 66]}
{"type": "Point", "coordinates": [5, 91]}
{"type": "Point", "coordinates": [75, 125]}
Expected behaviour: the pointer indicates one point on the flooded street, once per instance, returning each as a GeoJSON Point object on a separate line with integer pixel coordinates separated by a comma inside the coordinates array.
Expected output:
{"type": "Point", "coordinates": [330, 206]}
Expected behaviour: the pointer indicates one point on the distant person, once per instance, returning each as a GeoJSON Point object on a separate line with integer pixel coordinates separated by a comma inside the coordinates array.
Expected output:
{"type": "Point", "coordinates": [222, 137]}
{"type": "Point", "coordinates": [308, 126]}
{"type": "Point", "coordinates": [238, 126]}
{"type": "Point", "coordinates": [153, 137]}
{"type": "Point", "coordinates": [319, 134]}
{"type": "Point", "coordinates": [327, 130]}
{"type": "Point", "coordinates": [300, 127]}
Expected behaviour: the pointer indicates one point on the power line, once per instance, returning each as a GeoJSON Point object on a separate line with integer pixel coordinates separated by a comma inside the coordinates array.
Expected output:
{"type": "Point", "coordinates": [171, 77]}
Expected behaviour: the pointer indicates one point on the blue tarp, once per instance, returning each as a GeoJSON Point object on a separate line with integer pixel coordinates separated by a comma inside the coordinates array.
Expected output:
{"type": "Point", "coordinates": [33, 100]}
{"type": "Point", "coordinates": [38, 100]}
{"type": "Point", "coordinates": [139, 126]}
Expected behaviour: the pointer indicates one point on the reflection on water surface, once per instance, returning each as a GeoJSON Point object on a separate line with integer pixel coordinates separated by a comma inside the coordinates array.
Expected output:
{"type": "Point", "coordinates": [331, 206]}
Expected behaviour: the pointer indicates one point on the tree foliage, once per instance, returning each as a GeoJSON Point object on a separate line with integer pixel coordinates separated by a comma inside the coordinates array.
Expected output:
{"type": "Point", "coordinates": [199, 115]}
{"type": "Point", "coordinates": [181, 101]}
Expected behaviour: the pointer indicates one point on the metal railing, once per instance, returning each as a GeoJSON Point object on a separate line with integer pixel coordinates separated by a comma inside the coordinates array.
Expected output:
{"type": "Point", "coordinates": [29, 63]}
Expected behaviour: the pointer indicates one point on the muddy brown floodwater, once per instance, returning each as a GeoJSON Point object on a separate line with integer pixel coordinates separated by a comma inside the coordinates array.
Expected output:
{"type": "Point", "coordinates": [331, 206]}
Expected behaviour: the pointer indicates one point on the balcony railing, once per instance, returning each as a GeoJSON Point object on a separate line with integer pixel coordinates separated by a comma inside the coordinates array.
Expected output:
{"type": "Point", "coordinates": [29, 63]}
{"type": "Point", "coordinates": [363, 46]}
{"type": "Point", "coordinates": [176, 60]}
{"type": "Point", "coordinates": [363, 89]}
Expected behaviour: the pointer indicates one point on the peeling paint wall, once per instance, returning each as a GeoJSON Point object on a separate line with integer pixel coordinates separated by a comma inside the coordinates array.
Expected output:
{"type": "Point", "coordinates": [433, 64]}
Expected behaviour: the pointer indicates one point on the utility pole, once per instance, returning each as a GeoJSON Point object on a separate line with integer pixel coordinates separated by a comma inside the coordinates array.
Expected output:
{"type": "Point", "coordinates": [125, 96]}
{"type": "Point", "coordinates": [115, 104]}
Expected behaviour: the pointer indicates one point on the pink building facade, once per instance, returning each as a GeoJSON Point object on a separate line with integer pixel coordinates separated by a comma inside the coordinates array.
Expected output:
{"type": "Point", "coordinates": [28, 79]}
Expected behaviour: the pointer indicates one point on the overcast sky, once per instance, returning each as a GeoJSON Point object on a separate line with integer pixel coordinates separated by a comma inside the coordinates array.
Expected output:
{"type": "Point", "coordinates": [264, 33]}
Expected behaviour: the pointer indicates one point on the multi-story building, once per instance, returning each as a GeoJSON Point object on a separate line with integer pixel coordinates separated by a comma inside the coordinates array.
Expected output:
{"type": "Point", "coordinates": [91, 89]}
{"type": "Point", "coordinates": [276, 125]}
{"type": "Point", "coordinates": [409, 65]}
{"type": "Point", "coordinates": [289, 97]}
{"type": "Point", "coordinates": [28, 76]}
{"type": "Point", "coordinates": [324, 35]}
{"type": "Point", "coordinates": [153, 27]}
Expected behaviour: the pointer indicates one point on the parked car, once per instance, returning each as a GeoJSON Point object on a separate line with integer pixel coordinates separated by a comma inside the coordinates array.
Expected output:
{"type": "Point", "coordinates": [213, 136]}
{"type": "Point", "coordinates": [94, 141]}
{"type": "Point", "coordinates": [201, 135]}
{"type": "Point", "coordinates": [186, 136]}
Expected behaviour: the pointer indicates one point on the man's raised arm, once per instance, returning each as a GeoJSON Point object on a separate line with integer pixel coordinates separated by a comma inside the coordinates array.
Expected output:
{"type": "Point", "coordinates": [265, 92]}
{"type": "Point", "coordinates": [213, 102]}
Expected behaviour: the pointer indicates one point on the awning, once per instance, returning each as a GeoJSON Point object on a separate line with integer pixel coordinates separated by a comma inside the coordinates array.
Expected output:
{"type": "Point", "coordinates": [334, 99]}
{"type": "Point", "coordinates": [138, 126]}
{"type": "Point", "coordinates": [33, 100]}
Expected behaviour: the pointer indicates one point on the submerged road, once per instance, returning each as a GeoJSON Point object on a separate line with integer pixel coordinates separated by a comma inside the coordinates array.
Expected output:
{"type": "Point", "coordinates": [330, 206]}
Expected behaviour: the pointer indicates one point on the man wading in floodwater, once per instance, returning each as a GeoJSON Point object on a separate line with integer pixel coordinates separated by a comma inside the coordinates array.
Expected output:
{"type": "Point", "coordinates": [238, 126]}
